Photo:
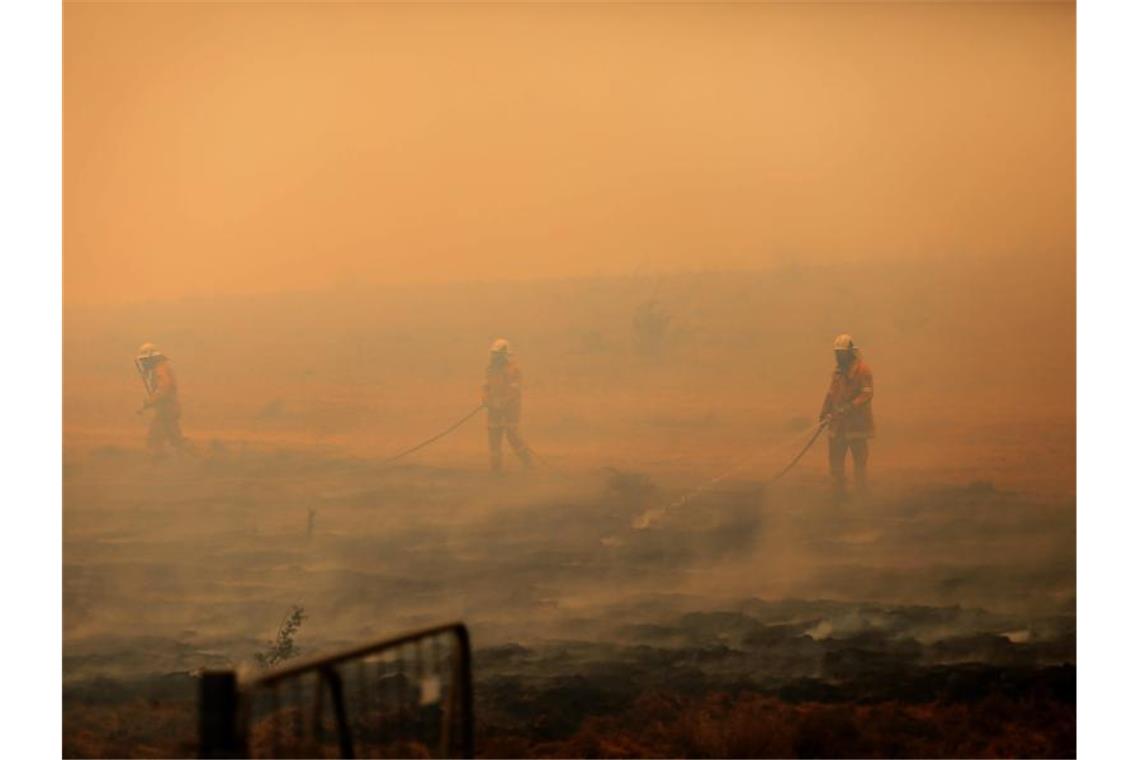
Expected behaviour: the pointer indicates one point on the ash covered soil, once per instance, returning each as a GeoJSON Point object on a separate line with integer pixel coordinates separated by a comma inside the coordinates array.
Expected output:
{"type": "Point", "coordinates": [934, 618]}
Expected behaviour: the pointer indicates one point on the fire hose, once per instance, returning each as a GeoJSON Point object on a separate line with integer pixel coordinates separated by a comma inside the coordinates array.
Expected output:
{"type": "Point", "coordinates": [451, 429]}
{"type": "Point", "coordinates": [703, 487]}
{"type": "Point", "coordinates": [650, 516]}
{"type": "Point", "coordinates": [822, 425]}
{"type": "Point", "coordinates": [454, 426]}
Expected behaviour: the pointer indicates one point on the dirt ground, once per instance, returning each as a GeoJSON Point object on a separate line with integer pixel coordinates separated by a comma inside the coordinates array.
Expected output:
{"type": "Point", "coordinates": [963, 556]}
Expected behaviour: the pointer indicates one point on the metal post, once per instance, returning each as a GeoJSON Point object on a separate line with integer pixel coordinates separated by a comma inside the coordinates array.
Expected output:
{"type": "Point", "coordinates": [218, 734]}
{"type": "Point", "coordinates": [467, 725]}
{"type": "Point", "coordinates": [343, 731]}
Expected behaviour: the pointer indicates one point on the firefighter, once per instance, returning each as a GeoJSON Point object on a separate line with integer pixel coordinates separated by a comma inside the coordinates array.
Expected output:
{"type": "Point", "coordinates": [502, 397]}
{"type": "Point", "coordinates": [162, 398]}
{"type": "Point", "coordinates": [847, 410]}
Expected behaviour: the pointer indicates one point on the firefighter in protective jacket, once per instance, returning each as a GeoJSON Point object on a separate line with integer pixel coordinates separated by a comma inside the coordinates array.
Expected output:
{"type": "Point", "coordinates": [847, 408]}
{"type": "Point", "coordinates": [502, 397]}
{"type": "Point", "coordinates": [162, 398]}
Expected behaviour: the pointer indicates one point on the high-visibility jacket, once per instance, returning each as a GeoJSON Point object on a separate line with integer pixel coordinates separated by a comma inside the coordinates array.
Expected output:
{"type": "Point", "coordinates": [163, 387]}
{"type": "Point", "coordinates": [502, 393]}
{"type": "Point", "coordinates": [848, 400]}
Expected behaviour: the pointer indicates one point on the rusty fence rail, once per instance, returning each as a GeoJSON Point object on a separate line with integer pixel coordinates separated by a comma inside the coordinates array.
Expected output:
{"type": "Point", "coordinates": [408, 696]}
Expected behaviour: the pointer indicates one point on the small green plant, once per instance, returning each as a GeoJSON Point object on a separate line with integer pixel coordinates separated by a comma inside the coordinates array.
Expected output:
{"type": "Point", "coordinates": [283, 648]}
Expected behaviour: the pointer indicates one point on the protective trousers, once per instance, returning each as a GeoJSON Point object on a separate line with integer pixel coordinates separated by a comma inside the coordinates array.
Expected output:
{"type": "Point", "coordinates": [495, 441]}
{"type": "Point", "coordinates": [837, 456]}
{"type": "Point", "coordinates": [165, 427]}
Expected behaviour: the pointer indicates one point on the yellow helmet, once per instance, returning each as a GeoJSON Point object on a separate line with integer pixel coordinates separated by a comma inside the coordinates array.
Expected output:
{"type": "Point", "coordinates": [501, 346]}
{"type": "Point", "coordinates": [844, 342]}
{"type": "Point", "coordinates": [148, 351]}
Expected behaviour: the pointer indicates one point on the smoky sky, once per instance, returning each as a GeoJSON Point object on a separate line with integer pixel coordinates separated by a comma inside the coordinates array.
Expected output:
{"type": "Point", "coordinates": [237, 148]}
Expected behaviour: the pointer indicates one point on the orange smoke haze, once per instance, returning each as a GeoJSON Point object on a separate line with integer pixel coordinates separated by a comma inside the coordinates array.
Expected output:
{"type": "Point", "coordinates": [214, 148]}
{"type": "Point", "coordinates": [324, 213]}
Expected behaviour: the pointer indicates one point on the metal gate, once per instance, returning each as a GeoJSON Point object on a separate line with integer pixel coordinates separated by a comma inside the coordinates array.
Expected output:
{"type": "Point", "coordinates": [408, 696]}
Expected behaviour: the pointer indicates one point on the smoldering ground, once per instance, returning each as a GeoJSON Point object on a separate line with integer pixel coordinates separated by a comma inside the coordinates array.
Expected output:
{"type": "Point", "coordinates": [527, 558]}
{"type": "Point", "coordinates": [918, 596]}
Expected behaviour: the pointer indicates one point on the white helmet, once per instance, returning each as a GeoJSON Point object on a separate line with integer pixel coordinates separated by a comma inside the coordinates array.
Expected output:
{"type": "Point", "coordinates": [844, 342]}
{"type": "Point", "coordinates": [148, 351]}
{"type": "Point", "coordinates": [501, 346]}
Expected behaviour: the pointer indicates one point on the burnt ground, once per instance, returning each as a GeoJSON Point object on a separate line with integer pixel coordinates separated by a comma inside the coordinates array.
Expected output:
{"type": "Point", "coordinates": [934, 619]}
